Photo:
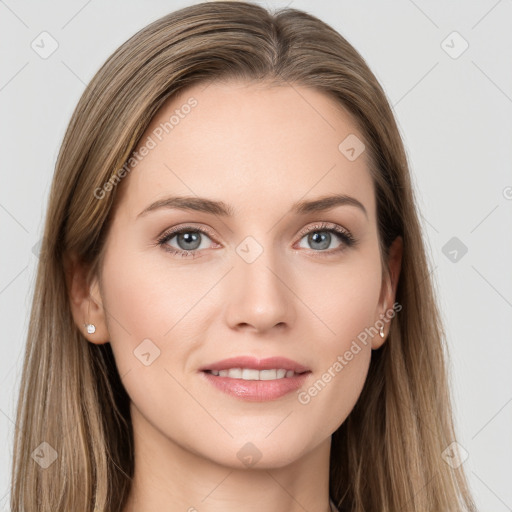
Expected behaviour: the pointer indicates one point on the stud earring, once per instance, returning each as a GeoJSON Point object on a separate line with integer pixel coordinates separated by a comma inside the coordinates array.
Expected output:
{"type": "Point", "coordinates": [381, 333]}
{"type": "Point", "coordinates": [91, 328]}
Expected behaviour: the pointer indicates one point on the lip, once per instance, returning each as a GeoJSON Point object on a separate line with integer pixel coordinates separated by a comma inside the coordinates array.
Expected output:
{"type": "Point", "coordinates": [256, 390]}
{"type": "Point", "coordinates": [256, 364]}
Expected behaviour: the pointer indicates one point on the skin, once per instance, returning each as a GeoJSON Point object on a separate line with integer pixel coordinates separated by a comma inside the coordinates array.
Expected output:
{"type": "Point", "coordinates": [259, 149]}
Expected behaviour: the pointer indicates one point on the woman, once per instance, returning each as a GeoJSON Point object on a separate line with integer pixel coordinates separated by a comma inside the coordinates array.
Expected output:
{"type": "Point", "coordinates": [234, 309]}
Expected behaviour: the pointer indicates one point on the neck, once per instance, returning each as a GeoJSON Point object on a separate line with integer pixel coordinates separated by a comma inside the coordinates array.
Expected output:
{"type": "Point", "coordinates": [170, 477]}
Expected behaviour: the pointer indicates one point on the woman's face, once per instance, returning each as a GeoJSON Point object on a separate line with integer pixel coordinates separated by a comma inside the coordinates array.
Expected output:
{"type": "Point", "coordinates": [253, 283]}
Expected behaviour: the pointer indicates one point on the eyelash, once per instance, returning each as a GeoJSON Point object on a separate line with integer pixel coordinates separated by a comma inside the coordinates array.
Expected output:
{"type": "Point", "coordinates": [345, 236]}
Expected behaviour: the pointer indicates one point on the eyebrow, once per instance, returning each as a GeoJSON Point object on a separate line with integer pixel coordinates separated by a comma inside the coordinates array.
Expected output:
{"type": "Point", "coordinates": [210, 206]}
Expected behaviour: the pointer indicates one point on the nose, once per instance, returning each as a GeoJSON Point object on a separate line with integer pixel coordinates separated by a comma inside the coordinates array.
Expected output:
{"type": "Point", "coordinates": [259, 296]}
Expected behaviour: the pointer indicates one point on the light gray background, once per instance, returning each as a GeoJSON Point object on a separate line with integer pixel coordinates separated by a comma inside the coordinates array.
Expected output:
{"type": "Point", "coordinates": [455, 115]}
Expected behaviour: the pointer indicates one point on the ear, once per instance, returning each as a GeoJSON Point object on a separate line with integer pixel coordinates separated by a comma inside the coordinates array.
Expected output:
{"type": "Point", "coordinates": [85, 299]}
{"type": "Point", "coordinates": [389, 285]}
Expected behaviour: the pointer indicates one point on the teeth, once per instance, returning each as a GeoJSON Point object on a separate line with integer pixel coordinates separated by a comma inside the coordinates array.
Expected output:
{"type": "Point", "coordinates": [250, 374]}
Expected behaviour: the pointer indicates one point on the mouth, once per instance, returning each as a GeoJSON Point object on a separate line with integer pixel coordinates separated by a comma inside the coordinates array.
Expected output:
{"type": "Point", "coordinates": [254, 385]}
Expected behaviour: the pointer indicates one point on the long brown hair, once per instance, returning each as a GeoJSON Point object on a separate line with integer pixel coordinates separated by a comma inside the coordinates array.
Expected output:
{"type": "Point", "coordinates": [387, 455]}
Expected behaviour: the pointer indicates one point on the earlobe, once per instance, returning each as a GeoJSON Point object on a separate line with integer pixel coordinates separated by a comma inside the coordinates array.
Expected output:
{"type": "Point", "coordinates": [379, 339]}
{"type": "Point", "coordinates": [87, 310]}
{"type": "Point", "coordinates": [95, 324]}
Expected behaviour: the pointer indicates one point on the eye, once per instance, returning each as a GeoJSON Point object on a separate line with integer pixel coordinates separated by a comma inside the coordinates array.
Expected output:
{"type": "Point", "coordinates": [320, 237]}
{"type": "Point", "coordinates": [188, 238]}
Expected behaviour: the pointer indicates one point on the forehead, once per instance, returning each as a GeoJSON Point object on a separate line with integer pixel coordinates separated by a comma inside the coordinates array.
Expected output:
{"type": "Point", "coordinates": [250, 145]}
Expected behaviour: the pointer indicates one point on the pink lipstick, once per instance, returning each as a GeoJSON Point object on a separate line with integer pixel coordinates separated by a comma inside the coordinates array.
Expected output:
{"type": "Point", "coordinates": [253, 379]}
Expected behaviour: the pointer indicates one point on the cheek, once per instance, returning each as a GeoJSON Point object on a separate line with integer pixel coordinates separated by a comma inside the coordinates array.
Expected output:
{"type": "Point", "coordinates": [343, 298]}
{"type": "Point", "coordinates": [329, 399]}
{"type": "Point", "coordinates": [153, 327]}
{"type": "Point", "coordinates": [149, 300]}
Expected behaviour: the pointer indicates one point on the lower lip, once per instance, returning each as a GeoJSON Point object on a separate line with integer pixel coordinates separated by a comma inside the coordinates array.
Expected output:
{"type": "Point", "coordinates": [257, 390]}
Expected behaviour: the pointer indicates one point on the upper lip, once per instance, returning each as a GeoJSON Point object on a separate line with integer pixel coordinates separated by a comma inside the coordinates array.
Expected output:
{"type": "Point", "coordinates": [268, 363]}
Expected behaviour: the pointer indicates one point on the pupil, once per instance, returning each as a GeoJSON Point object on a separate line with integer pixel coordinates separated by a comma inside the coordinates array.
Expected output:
{"type": "Point", "coordinates": [325, 239]}
{"type": "Point", "coordinates": [189, 238]}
